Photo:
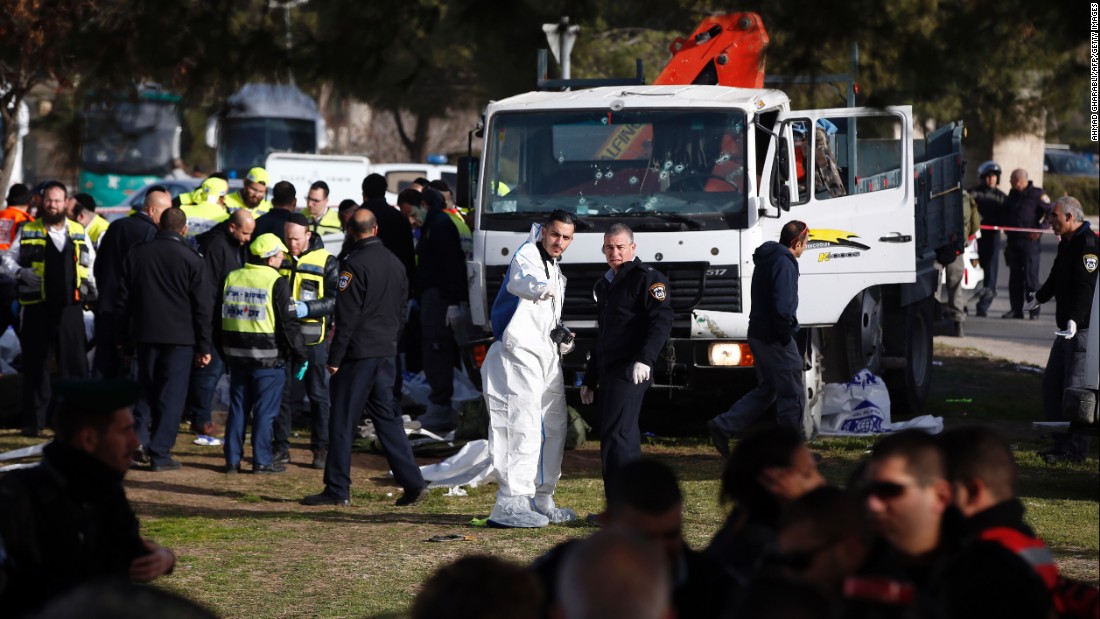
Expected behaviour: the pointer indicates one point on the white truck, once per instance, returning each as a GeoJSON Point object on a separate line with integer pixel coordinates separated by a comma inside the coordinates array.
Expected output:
{"type": "Point", "coordinates": [704, 175]}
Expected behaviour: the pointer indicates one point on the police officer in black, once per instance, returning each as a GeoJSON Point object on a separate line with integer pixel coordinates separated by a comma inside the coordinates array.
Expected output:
{"type": "Point", "coordinates": [635, 319]}
{"type": "Point", "coordinates": [1025, 207]}
{"type": "Point", "coordinates": [1072, 281]}
{"type": "Point", "coordinates": [164, 308]}
{"type": "Point", "coordinates": [372, 291]}
{"type": "Point", "coordinates": [990, 201]}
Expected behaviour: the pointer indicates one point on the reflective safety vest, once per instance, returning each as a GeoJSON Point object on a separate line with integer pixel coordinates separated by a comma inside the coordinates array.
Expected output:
{"type": "Point", "coordinates": [307, 283]}
{"type": "Point", "coordinates": [10, 220]}
{"type": "Point", "coordinates": [95, 229]}
{"type": "Point", "coordinates": [32, 253]}
{"type": "Point", "coordinates": [233, 202]}
{"type": "Point", "coordinates": [464, 234]}
{"type": "Point", "coordinates": [194, 197]}
{"type": "Point", "coordinates": [248, 316]}
{"type": "Point", "coordinates": [203, 216]}
{"type": "Point", "coordinates": [328, 224]}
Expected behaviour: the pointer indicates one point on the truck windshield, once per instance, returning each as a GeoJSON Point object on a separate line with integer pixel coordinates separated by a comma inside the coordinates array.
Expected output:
{"type": "Point", "coordinates": [130, 138]}
{"type": "Point", "coordinates": [246, 142]}
{"type": "Point", "coordinates": [686, 167]}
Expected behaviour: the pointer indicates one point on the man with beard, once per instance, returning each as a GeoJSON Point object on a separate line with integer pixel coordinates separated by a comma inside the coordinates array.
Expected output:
{"type": "Point", "coordinates": [52, 264]}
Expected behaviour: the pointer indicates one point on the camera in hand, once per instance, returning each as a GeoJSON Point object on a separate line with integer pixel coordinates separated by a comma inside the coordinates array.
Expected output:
{"type": "Point", "coordinates": [561, 335]}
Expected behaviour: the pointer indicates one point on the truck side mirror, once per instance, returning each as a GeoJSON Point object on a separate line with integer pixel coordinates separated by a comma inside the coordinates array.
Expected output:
{"type": "Point", "coordinates": [783, 161]}
{"type": "Point", "coordinates": [467, 181]}
{"type": "Point", "coordinates": [784, 198]}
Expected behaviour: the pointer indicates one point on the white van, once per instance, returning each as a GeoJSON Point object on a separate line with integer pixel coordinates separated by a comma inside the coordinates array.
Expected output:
{"type": "Point", "coordinates": [400, 175]}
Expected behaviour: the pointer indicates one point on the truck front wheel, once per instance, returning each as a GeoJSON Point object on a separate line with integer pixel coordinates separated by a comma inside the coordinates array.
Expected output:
{"type": "Point", "coordinates": [909, 385]}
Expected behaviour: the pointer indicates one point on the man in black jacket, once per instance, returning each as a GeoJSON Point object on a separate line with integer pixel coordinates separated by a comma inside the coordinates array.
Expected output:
{"type": "Point", "coordinates": [990, 201]}
{"type": "Point", "coordinates": [284, 200]}
{"type": "Point", "coordinates": [647, 502]}
{"type": "Point", "coordinates": [67, 522]}
{"type": "Point", "coordinates": [393, 228]}
{"type": "Point", "coordinates": [1025, 207]}
{"type": "Point", "coordinates": [772, 324]}
{"type": "Point", "coordinates": [370, 305]}
{"type": "Point", "coordinates": [117, 241]}
{"type": "Point", "coordinates": [441, 277]}
{"type": "Point", "coordinates": [164, 304]}
{"type": "Point", "coordinates": [635, 319]}
{"type": "Point", "coordinates": [1072, 281]}
{"type": "Point", "coordinates": [1000, 568]}
{"type": "Point", "coordinates": [223, 250]}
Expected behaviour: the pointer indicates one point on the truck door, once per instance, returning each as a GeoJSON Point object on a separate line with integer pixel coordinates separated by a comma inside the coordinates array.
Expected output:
{"type": "Point", "coordinates": [853, 188]}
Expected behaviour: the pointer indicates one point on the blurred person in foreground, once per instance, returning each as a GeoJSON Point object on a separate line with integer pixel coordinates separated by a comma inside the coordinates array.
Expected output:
{"type": "Point", "coordinates": [646, 502]}
{"type": "Point", "coordinates": [67, 521]}
{"type": "Point", "coordinates": [768, 470]}
{"type": "Point", "coordinates": [479, 587]}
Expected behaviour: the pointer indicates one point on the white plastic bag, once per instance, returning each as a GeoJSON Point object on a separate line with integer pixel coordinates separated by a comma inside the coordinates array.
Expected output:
{"type": "Point", "coordinates": [860, 406]}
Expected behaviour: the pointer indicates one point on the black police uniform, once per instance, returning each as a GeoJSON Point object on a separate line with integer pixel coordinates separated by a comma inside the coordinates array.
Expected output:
{"type": "Point", "coordinates": [1071, 282]}
{"type": "Point", "coordinates": [370, 305]}
{"type": "Point", "coordinates": [1024, 209]}
{"type": "Point", "coordinates": [164, 301]}
{"type": "Point", "coordinates": [991, 207]}
{"type": "Point", "coordinates": [121, 236]}
{"type": "Point", "coordinates": [635, 319]}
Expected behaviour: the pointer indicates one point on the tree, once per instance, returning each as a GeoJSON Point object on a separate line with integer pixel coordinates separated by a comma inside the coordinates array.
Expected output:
{"type": "Point", "coordinates": [193, 47]}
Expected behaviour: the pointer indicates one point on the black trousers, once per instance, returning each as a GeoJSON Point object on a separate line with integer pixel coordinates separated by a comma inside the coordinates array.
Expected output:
{"type": "Point", "coordinates": [989, 250]}
{"type": "Point", "coordinates": [439, 348]}
{"type": "Point", "coordinates": [1065, 369]}
{"type": "Point", "coordinates": [1022, 256]}
{"type": "Point", "coordinates": [49, 333]}
{"type": "Point", "coordinates": [107, 363]}
{"type": "Point", "coordinates": [620, 404]}
{"type": "Point", "coordinates": [316, 383]}
{"type": "Point", "coordinates": [366, 383]}
{"type": "Point", "coordinates": [164, 371]}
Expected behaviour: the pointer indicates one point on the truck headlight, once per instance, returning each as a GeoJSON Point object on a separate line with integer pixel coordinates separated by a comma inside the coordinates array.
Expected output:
{"type": "Point", "coordinates": [729, 353]}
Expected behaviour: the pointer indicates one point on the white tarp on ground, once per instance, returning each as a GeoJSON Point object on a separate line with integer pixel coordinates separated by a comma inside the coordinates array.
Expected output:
{"type": "Point", "coordinates": [34, 451]}
{"type": "Point", "coordinates": [471, 466]}
{"type": "Point", "coordinates": [861, 406]}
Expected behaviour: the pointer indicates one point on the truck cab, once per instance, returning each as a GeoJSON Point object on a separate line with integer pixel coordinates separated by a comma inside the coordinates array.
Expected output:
{"type": "Point", "coordinates": [704, 175]}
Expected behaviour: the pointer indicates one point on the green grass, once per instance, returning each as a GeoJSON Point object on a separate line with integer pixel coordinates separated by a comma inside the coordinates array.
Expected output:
{"type": "Point", "coordinates": [248, 549]}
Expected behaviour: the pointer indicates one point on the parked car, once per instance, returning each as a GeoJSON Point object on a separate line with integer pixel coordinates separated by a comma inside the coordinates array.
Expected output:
{"type": "Point", "coordinates": [1067, 163]}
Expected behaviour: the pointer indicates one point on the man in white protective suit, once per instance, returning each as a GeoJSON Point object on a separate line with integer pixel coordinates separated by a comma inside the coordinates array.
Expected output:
{"type": "Point", "coordinates": [522, 380]}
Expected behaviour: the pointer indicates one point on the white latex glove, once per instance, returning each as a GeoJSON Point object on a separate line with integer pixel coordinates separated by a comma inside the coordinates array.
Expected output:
{"type": "Point", "coordinates": [453, 315]}
{"type": "Point", "coordinates": [641, 373]}
{"type": "Point", "coordinates": [565, 349]}
{"type": "Point", "coordinates": [28, 276]}
{"type": "Point", "coordinates": [587, 395]}
{"type": "Point", "coordinates": [1032, 305]}
{"type": "Point", "coordinates": [550, 290]}
{"type": "Point", "coordinates": [1071, 330]}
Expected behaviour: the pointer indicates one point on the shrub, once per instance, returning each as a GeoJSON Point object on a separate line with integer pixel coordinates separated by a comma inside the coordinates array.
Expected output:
{"type": "Point", "coordinates": [1084, 188]}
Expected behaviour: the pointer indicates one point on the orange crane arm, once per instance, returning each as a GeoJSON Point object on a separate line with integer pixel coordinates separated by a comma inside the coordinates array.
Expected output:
{"type": "Point", "coordinates": [726, 50]}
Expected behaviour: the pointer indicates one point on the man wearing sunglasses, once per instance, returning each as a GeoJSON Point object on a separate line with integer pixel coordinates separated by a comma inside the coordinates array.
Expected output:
{"type": "Point", "coordinates": [906, 495]}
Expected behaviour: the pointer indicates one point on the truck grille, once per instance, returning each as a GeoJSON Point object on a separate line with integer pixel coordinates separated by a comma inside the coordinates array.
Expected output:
{"type": "Point", "coordinates": [693, 285]}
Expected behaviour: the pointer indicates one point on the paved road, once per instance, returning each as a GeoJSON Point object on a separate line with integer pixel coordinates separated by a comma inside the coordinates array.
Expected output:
{"type": "Point", "coordinates": [1023, 341]}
